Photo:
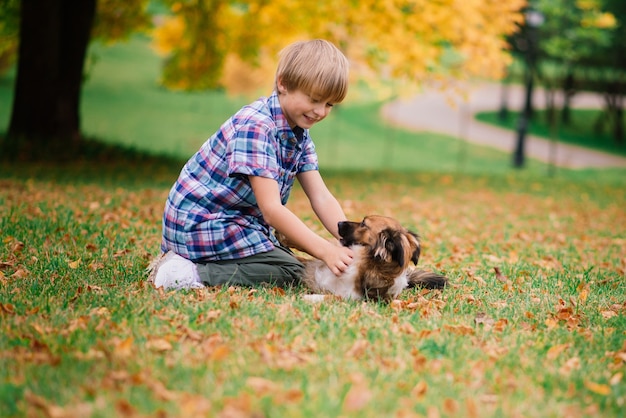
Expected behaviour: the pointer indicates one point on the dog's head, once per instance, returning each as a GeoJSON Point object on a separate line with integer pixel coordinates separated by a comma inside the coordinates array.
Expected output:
{"type": "Point", "coordinates": [387, 240]}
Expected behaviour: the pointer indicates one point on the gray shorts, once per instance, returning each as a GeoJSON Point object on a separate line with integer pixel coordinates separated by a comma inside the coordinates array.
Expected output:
{"type": "Point", "coordinates": [278, 267]}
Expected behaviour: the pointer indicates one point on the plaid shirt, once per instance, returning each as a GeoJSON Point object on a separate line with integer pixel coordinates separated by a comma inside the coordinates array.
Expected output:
{"type": "Point", "coordinates": [211, 212]}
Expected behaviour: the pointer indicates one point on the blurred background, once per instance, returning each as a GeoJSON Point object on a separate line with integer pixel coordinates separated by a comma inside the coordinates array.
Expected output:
{"type": "Point", "coordinates": [473, 85]}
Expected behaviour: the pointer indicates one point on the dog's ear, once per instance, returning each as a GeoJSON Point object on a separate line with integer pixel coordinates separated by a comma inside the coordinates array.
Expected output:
{"type": "Point", "coordinates": [414, 239]}
{"type": "Point", "coordinates": [389, 246]}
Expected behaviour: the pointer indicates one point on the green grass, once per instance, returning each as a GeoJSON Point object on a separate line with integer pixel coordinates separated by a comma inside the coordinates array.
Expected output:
{"type": "Point", "coordinates": [83, 334]}
{"type": "Point", "coordinates": [580, 131]}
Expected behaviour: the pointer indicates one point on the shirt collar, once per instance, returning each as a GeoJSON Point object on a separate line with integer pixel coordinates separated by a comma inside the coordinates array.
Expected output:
{"type": "Point", "coordinates": [295, 135]}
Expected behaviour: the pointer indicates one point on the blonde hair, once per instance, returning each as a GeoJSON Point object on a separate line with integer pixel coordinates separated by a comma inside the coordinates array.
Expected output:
{"type": "Point", "coordinates": [315, 67]}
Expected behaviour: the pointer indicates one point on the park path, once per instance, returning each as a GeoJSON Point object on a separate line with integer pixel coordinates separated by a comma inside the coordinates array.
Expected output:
{"type": "Point", "coordinates": [432, 111]}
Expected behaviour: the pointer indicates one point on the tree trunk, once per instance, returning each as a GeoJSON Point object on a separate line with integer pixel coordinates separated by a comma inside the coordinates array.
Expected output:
{"type": "Point", "coordinates": [54, 35]}
{"type": "Point", "coordinates": [568, 93]}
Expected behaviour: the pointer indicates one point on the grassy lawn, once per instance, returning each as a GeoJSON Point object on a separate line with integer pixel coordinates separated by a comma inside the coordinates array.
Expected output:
{"type": "Point", "coordinates": [84, 335]}
{"type": "Point", "coordinates": [533, 323]}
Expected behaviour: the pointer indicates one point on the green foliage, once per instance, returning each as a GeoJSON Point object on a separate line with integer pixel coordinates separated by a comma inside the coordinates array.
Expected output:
{"type": "Point", "coordinates": [573, 30]}
{"type": "Point", "coordinates": [9, 27]}
{"type": "Point", "coordinates": [117, 19]}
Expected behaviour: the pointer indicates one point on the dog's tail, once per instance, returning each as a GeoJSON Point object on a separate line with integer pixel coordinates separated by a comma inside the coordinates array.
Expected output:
{"type": "Point", "coordinates": [426, 279]}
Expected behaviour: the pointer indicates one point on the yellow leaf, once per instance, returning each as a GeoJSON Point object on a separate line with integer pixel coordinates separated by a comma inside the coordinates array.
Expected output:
{"type": "Point", "coordinates": [74, 264]}
{"type": "Point", "coordinates": [598, 388]}
{"type": "Point", "coordinates": [219, 353]}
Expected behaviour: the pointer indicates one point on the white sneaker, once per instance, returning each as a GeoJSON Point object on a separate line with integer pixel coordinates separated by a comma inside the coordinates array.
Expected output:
{"type": "Point", "coordinates": [171, 271]}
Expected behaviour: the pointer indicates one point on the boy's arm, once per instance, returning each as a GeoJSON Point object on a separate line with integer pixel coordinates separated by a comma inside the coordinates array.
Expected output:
{"type": "Point", "coordinates": [324, 204]}
{"type": "Point", "coordinates": [278, 216]}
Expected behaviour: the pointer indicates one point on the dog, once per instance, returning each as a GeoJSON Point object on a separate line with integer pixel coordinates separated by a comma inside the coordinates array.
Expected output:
{"type": "Point", "coordinates": [381, 269]}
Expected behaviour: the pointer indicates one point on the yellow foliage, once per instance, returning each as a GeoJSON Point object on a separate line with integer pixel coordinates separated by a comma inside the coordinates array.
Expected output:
{"type": "Point", "coordinates": [600, 21]}
{"type": "Point", "coordinates": [243, 78]}
{"type": "Point", "coordinates": [168, 34]}
{"type": "Point", "coordinates": [588, 4]}
{"type": "Point", "coordinates": [409, 40]}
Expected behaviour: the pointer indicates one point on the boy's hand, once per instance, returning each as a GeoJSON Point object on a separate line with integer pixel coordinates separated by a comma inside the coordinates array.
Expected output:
{"type": "Point", "coordinates": [338, 259]}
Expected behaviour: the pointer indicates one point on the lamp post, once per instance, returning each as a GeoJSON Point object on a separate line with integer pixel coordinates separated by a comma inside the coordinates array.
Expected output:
{"type": "Point", "coordinates": [533, 20]}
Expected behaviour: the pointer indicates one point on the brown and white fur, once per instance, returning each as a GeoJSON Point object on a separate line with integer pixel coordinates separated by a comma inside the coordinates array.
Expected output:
{"type": "Point", "coordinates": [381, 269]}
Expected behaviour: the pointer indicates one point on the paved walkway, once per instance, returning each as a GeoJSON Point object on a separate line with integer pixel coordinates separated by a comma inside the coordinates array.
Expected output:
{"type": "Point", "coordinates": [432, 111]}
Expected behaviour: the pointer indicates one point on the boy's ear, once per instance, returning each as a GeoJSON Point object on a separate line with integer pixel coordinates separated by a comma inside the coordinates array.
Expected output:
{"type": "Point", "coordinates": [281, 87]}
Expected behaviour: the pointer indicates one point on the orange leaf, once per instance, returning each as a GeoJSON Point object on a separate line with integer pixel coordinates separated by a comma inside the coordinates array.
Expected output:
{"type": "Point", "coordinates": [555, 350]}
{"type": "Point", "coordinates": [501, 324]}
{"type": "Point", "coordinates": [219, 353]}
{"type": "Point", "coordinates": [450, 406]}
{"type": "Point", "coordinates": [598, 388]}
{"type": "Point", "coordinates": [460, 329]}
{"type": "Point", "coordinates": [7, 308]}
{"type": "Point", "coordinates": [420, 389]}
{"type": "Point", "coordinates": [124, 348]}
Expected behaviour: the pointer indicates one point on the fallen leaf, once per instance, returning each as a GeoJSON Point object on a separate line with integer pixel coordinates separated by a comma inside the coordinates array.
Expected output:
{"type": "Point", "coordinates": [598, 388]}
{"type": "Point", "coordinates": [499, 276]}
{"type": "Point", "coordinates": [159, 344]}
{"type": "Point", "coordinates": [20, 273]}
{"type": "Point", "coordinates": [450, 406]}
{"type": "Point", "coordinates": [261, 386]}
{"type": "Point", "coordinates": [18, 246]}
{"type": "Point", "coordinates": [616, 378]}
{"type": "Point", "coordinates": [123, 348]}
{"type": "Point", "coordinates": [459, 329]}
{"type": "Point", "coordinates": [608, 314]}
{"type": "Point", "coordinates": [569, 366]}
{"type": "Point", "coordinates": [194, 406]}
{"type": "Point", "coordinates": [358, 395]}
{"type": "Point", "coordinates": [7, 308]}
{"type": "Point", "coordinates": [500, 324]}
{"type": "Point", "coordinates": [419, 389]}
{"type": "Point", "coordinates": [556, 350]}
{"type": "Point", "coordinates": [219, 353]}
{"type": "Point", "coordinates": [358, 348]}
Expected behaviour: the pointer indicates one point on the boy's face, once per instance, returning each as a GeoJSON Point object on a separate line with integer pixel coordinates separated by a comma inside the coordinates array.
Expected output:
{"type": "Point", "coordinates": [302, 109]}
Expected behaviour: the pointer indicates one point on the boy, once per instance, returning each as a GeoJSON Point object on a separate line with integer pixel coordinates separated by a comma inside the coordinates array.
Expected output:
{"type": "Point", "coordinates": [219, 215]}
